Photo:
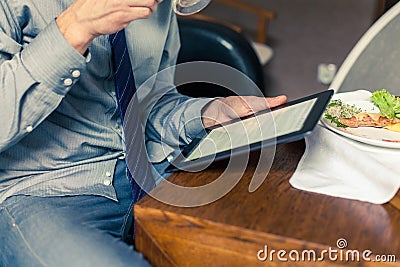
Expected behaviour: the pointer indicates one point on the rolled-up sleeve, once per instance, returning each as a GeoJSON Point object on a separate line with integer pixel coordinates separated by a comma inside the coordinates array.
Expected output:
{"type": "Point", "coordinates": [34, 77]}
{"type": "Point", "coordinates": [52, 61]}
{"type": "Point", "coordinates": [174, 119]}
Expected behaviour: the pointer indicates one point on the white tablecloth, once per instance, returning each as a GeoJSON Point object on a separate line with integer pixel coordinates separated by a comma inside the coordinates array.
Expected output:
{"type": "Point", "coordinates": [341, 167]}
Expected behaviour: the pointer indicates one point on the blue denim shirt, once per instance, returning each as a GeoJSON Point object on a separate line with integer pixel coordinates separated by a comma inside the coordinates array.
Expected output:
{"type": "Point", "coordinates": [60, 129]}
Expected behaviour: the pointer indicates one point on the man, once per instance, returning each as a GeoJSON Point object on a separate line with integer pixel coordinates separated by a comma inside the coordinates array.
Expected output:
{"type": "Point", "coordinates": [65, 199]}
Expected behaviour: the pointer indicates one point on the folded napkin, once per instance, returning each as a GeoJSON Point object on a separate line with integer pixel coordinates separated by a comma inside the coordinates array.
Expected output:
{"type": "Point", "coordinates": [338, 166]}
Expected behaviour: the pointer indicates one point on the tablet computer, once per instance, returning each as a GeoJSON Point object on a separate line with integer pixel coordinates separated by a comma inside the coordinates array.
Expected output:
{"type": "Point", "coordinates": [285, 123]}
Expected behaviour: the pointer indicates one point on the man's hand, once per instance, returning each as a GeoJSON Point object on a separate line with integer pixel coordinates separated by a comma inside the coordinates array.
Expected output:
{"type": "Point", "coordinates": [84, 20]}
{"type": "Point", "coordinates": [228, 108]}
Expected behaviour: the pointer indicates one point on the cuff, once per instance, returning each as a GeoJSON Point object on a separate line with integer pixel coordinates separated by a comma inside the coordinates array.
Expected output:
{"type": "Point", "coordinates": [51, 60]}
{"type": "Point", "coordinates": [193, 125]}
{"type": "Point", "coordinates": [193, 117]}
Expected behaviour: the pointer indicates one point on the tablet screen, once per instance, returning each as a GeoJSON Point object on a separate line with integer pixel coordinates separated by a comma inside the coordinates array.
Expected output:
{"type": "Point", "coordinates": [254, 129]}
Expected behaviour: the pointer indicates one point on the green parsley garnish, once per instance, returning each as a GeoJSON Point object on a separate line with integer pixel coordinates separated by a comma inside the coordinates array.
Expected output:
{"type": "Point", "coordinates": [336, 109]}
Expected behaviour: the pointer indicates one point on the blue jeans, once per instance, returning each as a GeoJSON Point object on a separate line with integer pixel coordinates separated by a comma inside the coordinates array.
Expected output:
{"type": "Point", "coordinates": [69, 230]}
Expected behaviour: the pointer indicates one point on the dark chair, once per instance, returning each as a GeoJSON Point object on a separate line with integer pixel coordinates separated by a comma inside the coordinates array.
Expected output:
{"type": "Point", "coordinates": [213, 42]}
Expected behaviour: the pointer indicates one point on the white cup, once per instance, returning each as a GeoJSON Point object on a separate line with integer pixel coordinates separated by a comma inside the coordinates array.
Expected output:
{"type": "Point", "coordinates": [189, 7]}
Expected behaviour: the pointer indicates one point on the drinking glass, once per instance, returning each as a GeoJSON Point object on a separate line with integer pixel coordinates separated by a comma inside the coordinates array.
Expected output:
{"type": "Point", "coordinates": [188, 7]}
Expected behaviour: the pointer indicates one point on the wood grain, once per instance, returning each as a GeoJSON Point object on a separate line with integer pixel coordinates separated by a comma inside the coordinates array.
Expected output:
{"type": "Point", "coordinates": [231, 231]}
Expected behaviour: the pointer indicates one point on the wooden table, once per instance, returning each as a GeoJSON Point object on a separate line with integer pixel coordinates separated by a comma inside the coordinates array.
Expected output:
{"type": "Point", "coordinates": [233, 230]}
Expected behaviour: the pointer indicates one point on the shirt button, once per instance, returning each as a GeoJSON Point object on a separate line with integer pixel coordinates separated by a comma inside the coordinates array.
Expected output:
{"type": "Point", "coordinates": [76, 74]}
{"type": "Point", "coordinates": [107, 182]}
{"type": "Point", "coordinates": [29, 128]}
{"type": "Point", "coordinates": [122, 156]}
{"type": "Point", "coordinates": [88, 57]}
{"type": "Point", "coordinates": [68, 82]}
{"type": "Point", "coordinates": [108, 174]}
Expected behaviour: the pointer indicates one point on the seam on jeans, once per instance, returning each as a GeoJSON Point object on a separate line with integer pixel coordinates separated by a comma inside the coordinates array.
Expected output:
{"type": "Point", "coordinates": [126, 218]}
{"type": "Point", "coordinates": [23, 238]}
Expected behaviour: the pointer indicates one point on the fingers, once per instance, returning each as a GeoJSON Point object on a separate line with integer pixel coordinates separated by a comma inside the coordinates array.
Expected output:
{"type": "Point", "coordinates": [140, 13]}
{"type": "Point", "coordinates": [254, 103]}
{"type": "Point", "coordinates": [141, 3]}
{"type": "Point", "coordinates": [142, 9]}
{"type": "Point", "coordinates": [227, 108]}
{"type": "Point", "coordinates": [151, 4]}
{"type": "Point", "coordinates": [153, 8]}
{"type": "Point", "coordinates": [122, 12]}
{"type": "Point", "coordinates": [276, 101]}
{"type": "Point", "coordinates": [85, 20]}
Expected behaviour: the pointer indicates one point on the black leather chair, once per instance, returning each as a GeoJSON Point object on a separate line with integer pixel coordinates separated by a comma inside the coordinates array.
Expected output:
{"type": "Point", "coordinates": [208, 41]}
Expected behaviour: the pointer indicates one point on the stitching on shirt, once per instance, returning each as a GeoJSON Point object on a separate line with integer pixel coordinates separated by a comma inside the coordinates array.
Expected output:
{"type": "Point", "coordinates": [23, 238]}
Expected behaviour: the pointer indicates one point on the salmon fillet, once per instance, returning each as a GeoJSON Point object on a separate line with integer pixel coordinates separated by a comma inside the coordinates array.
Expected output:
{"type": "Point", "coordinates": [368, 120]}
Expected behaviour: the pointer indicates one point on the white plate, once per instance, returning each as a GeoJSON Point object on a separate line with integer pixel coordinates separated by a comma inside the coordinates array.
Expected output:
{"type": "Point", "coordinates": [369, 135]}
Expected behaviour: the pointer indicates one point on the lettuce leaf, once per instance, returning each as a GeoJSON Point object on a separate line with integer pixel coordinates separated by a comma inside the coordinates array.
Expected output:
{"type": "Point", "coordinates": [388, 104]}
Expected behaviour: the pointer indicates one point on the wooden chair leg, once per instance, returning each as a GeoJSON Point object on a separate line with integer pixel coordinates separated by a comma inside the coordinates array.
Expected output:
{"type": "Point", "coordinates": [262, 30]}
{"type": "Point", "coordinates": [263, 16]}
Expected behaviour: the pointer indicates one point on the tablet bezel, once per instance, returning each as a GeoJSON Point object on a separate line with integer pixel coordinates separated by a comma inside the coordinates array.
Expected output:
{"type": "Point", "coordinates": [322, 100]}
